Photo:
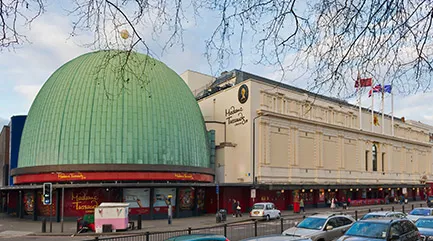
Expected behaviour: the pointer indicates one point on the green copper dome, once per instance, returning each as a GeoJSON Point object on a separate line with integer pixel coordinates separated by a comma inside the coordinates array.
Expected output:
{"type": "Point", "coordinates": [96, 109]}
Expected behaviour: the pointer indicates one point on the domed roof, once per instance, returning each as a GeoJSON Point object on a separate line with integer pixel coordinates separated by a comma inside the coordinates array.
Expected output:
{"type": "Point", "coordinates": [96, 109]}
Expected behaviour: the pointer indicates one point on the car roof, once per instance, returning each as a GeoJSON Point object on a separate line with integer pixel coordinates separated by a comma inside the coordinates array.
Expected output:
{"type": "Point", "coordinates": [264, 203]}
{"type": "Point", "coordinates": [381, 220]}
{"type": "Point", "coordinates": [277, 237]}
{"type": "Point", "coordinates": [382, 213]}
{"type": "Point", "coordinates": [423, 208]}
{"type": "Point", "coordinates": [426, 217]}
{"type": "Point", "coordinates": [197, 237]}
{"type": "Point", "coordinates": [330, 214]}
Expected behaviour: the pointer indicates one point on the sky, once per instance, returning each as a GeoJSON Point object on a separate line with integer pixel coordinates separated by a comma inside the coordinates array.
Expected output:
{"type": "Point", "coordinates": [24, 70]}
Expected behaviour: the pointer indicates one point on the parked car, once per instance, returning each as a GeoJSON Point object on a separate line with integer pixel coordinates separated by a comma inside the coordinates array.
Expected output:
{"type": "Point", "coordinates": [383, 214]}
{"type": "Point", "coordinates": [276, 238]}
{"type": "Point", "coordinates": [265, 211]}
{"type": "Point", "coordinates": [429, 201]}
{"type": "Point", "coordinates": [321, 227]}
{"type": "Point", "coordinates": [419, 212]}
{"type": "Point", "coordinates": [425, 227]}
{"type": "Point", "coordinates": [384, 228]}
{"type": "Point", "coordinates": [199, 237]}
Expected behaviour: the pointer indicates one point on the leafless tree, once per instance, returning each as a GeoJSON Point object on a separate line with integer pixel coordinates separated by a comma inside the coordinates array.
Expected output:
{"type": "Point", "coordinates": [332, 40]}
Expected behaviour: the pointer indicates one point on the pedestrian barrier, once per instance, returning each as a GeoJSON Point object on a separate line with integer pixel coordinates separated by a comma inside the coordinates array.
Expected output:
{"type": "Point", "coordinates": [238, 230]}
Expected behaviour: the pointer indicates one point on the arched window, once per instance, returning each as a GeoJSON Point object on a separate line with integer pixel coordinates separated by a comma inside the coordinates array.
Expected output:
{"type": "Point", "coordinates": [374, 157]}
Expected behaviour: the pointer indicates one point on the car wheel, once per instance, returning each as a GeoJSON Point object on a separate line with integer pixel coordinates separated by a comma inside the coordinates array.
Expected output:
{"type": "Point", "coordinates": [268, 218]}
{"type": "Point", "coordinates": [279, 216]}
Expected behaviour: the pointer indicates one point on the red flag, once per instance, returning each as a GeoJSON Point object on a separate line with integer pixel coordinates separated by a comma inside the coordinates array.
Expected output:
{"type": "Point", "coordinates": [363, 82]}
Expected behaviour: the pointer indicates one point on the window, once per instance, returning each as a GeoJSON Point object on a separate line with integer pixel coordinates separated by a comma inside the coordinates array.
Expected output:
{"type": "Point", "coordinates": [396, 229]}
{"type": "Point", "coordinates": [332, 222]}
{"type": "Point", "coordinates": [374, 157]}
{"type": "Point", "coordinates": [408, 226]}
{"type": "Point", "coordinates": [366, 160]}
{"type": "Point", "coordinates": [383, 162]}
{"type": "Point", "coordinates": [341, 221]}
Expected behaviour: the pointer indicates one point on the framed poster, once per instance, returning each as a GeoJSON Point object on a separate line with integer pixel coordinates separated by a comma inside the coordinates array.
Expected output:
{"type": "Point", "coordinates": [137, 197]}
{"type": "Point", "coordinates": [161, 194]}
{"type": "Point", "coordinates": [186, 198]}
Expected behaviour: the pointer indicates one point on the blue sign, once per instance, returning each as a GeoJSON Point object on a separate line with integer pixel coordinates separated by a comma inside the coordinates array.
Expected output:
{"type": "Point", "coordinates": [217, 189]}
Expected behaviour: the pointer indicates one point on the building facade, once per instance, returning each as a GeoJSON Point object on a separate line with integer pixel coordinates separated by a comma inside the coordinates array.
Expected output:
{"type": "Point", "coordinates": [105, 130]}
{"type": "Point", "coordinates": [286, 143]}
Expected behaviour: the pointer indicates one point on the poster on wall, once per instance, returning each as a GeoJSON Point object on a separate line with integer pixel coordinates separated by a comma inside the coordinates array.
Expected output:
{"type": "Point", "coordinates": [79, 202]}
{"type": "Point", "coordinates": [29, 203]}
{"type": "Point", "coordinates": [160, 196]}
{"type": "Point", "coordinates": [138, 199]}
{"type": "Point", "coordinates": [186, 198]}
{"type": "Point", "coordinates": [200, 199]}
{"type": "Point", "coordinates": [321, 195]}
{"type": "Point", "coordinates": [364, 193]}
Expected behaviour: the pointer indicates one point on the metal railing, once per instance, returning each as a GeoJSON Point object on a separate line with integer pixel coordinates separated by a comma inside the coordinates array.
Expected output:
{"type": "Point", "coordinates": [246, 229]}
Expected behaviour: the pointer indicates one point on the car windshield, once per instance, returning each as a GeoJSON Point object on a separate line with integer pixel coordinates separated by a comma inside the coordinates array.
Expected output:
{"type": "Point", "coordinates": [367, 216]}
{"type": "Point", "coordinates": [312, 223]}
{"type": "Point", "coordinates": [430, 198]}
{"type": "Point", "coordinates": [421, 212]}
{"type": "Point", "coordinates": [258, 206]}
{"type": "Point", "coordinates": [369, 230]}
{"type": "Point", "coordinates": [424, 223]}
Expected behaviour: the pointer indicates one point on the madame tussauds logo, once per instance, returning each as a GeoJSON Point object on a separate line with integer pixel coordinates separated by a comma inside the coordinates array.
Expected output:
{"type": "Point", "coordinates": [235, 116]}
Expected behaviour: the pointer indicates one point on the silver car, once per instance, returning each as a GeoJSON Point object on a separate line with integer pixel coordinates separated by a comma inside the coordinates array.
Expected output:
{"type": "Point", "coordinates": [322, 227]}
{"type": "Point", "coordinates": [383, 214]}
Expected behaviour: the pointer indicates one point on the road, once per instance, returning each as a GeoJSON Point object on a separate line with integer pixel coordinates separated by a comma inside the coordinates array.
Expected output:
{"type": "Point", "coordinates": [234, 232]}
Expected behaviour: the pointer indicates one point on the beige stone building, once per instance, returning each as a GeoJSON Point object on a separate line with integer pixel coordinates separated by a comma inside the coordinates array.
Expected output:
{"type": "Point", "coordinates": [289, 138]}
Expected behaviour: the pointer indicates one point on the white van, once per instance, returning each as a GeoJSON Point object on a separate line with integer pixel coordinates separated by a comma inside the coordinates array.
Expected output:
{"type": "Point", "coordinates": [265, 211]}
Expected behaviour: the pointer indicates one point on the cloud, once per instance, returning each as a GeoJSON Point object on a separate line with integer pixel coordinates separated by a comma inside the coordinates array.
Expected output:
{"type": "Point", "coordinates": [28, 91]}
{"type": "Point", "coordinates": [3, 122]}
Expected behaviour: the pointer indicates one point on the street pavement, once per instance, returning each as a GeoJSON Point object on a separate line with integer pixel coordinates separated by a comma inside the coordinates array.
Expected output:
{"type": "Point", "coordinates": [238, 228]}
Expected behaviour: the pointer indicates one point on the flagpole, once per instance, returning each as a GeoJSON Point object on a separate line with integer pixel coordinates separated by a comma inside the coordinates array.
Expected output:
{"type": "Point", "coordinates": [392, 111]}
{"type": "Point", "coordinates": [359, 100]}
{"type": "Point", "coordinates": [383, 106]}
{"type": "Point", "coordinates": [372, 108]}
{"type": "Point", "coordinates": [360, 108]}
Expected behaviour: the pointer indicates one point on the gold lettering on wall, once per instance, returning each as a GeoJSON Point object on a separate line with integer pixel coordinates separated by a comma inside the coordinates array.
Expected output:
{"type": "Point", "coordinates": [235, 116]}
{"type": "Point", "coordinates": [77, 175]}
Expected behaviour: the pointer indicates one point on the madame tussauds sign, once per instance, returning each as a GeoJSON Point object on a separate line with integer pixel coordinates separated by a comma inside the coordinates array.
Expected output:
{"type": "Point", "coordinates": [234, 116]}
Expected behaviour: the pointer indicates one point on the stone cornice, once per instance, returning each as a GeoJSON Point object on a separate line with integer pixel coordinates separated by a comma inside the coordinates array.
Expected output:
{"type": "Point", "coordinates": [337, 127]}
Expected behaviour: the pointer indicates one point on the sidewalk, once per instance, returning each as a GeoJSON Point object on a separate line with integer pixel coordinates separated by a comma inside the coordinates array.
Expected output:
{"type": "Point", "coordinates": [8, 223]}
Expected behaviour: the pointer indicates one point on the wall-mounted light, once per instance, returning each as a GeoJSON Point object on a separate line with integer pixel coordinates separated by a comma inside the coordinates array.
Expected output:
{"type": "Point", "coordinates": [311, 190]}
{"type": "Point", "coordinates": [329, 190]}
{"type": "Point", "coordinates": [282, 191]}
{"type": "Point", "coordinates": [389, 189]}
{"type": "Point", "coordinates": [336, 190]}
{"type": "Point", "coordinates": [369, 189]}
{"type": "Point", "coordinates": [380, 189]}
{"type": "Point", "coordinates": [357, 189]}
{"type": "Point", "coordinates": [351, 189]}
{"type": "Point", "coordinates": [303, 190]}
